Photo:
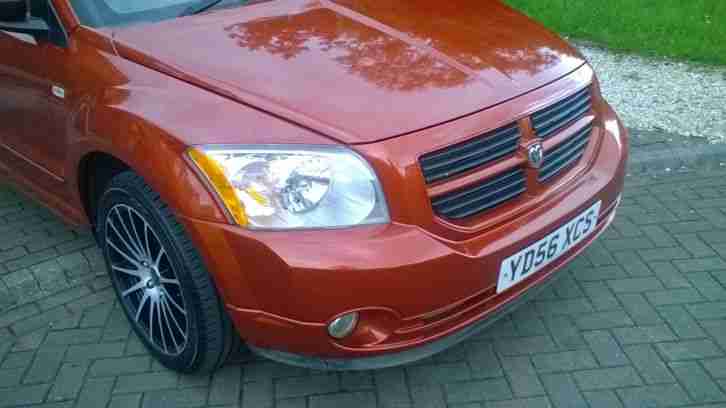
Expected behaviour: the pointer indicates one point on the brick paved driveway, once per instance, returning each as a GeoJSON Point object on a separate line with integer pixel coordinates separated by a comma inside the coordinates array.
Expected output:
{"type": "Point", "coordinates": [638, 321]}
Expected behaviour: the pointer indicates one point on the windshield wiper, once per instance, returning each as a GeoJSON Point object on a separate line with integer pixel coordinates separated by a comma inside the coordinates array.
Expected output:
{"type": "Point", "coordinates": [200, 7]}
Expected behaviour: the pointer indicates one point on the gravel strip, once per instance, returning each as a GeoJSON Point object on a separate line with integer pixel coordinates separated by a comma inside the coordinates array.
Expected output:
{"type": "Point", "coordinates": [655, 94]}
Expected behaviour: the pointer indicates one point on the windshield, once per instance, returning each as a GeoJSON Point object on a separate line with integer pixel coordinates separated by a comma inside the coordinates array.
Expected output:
{"type": "Point", "coordinates": [103, 13]}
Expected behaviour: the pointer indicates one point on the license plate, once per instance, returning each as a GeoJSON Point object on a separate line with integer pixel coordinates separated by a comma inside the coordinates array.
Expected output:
{"type": "Point", "coordinates": [532, 259]}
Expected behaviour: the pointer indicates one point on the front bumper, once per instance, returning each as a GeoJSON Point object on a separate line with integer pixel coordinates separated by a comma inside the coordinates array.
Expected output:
{"type": "Point", "coordinates": [417, 291]}
{"type": "Point", "coordinates": [396, 358]}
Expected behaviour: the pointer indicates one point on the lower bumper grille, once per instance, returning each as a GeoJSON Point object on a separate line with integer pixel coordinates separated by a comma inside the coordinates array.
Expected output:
{"type": "Point", "coordinates": [480, 197]}
{"type": "Point", "coordinates": [565, 154]}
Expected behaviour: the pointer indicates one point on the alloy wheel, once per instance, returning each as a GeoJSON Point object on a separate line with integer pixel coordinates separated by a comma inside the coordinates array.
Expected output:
{"type": "Point", "coordinates": [149, 287]}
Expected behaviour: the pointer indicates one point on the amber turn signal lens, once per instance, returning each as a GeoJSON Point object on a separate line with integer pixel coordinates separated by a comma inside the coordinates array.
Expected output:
{"type": "Point", "coordinates": [215, 174]}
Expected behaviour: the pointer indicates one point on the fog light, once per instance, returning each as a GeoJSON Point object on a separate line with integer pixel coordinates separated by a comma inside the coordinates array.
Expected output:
{"type": "Point", "coordinates": [343, 325]}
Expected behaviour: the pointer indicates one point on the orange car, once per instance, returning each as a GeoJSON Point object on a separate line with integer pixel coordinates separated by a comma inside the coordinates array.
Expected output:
{"type": "Point", "coordinates": [346, 184]}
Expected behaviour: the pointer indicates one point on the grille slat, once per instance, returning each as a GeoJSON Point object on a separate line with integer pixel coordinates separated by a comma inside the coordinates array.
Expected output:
{"type": "Point", "coordinates": [481, 197]}
{"type": "Point", "coordinates": [471, 154]}
{"type": "Point", "coordinates": [565, 154]}
{"type": "Point", "coordinates": [550, 120]}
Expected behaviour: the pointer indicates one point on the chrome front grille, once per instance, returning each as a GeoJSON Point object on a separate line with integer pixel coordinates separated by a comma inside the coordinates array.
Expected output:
{"type": "Point", "coordinates": [550, 120]}
{"type": "Point", "coordinates": [471, 154]}
{"type": "Point", "coordinates": [502, 144]}
{"type": "Point", "coordinates": [565, 154]}
{"type": "Point", "coordinates": [481, 197]}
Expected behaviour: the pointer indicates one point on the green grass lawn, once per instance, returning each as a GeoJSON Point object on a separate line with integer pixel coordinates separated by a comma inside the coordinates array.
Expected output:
{"type": "Point", "coordinates": [684, 29]}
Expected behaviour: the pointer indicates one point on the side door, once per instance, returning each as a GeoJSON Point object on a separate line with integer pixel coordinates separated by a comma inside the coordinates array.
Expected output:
{"type": "Point", "coordinates": [32, 107]}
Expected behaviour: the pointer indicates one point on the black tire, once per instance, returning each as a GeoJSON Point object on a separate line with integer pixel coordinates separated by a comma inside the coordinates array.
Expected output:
{"type": "Point", "coordinates": [210, 336]}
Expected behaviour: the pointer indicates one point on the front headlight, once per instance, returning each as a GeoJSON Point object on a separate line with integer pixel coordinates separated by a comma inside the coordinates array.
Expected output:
{"type": "Point", "coordinates": [289, 187]}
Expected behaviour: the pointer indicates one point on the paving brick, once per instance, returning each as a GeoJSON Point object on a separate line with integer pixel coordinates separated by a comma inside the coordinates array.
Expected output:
{"type": "Point", "coordinates": [664, 254]}
{"type": "Point", "coordinates": [73, 336]}
{"type": "Point", "coordinates": [97, 316]}
{"type": "Point", "coordinates": [689, 350]}
{"type": "Point", "coordinates": [439, 373]}
{"type": "Point", "coordinates": [95, 393]}
{"type": "Point", "coordinates": [682, 323]}
{"type": "Point", "coordinates": [145, 382]}
{"type": "Point", "coordinates": [17, 360]}
{"type": "Point", "coordinates": [352, 399]}
{"type": "Point", "coordinates": [538, 402]}
{"type": "Point", "coordinates": [191, 381]}
{"type": "Point", "coordinates": [603, 399]}
{"type": "Point", "coordinates": [641, 312]}
{"type": "Point", "coordinates": [17, 314]}
{"type": "Point", "coordinates": [562, 391]}
{"type": "Point", "coordinates": [598, 254]}
{"type": "Point", "coordinates": [565, 333]}
{"type": "Point", "coordinates": [269, 370]}
{"type": "Point", "coordinates": [63, 297]}
{"type": "Point", "coordinates": [566, 287]}
{"type": "Point", "coordinates": [635, 285]}
{"type": "Point", "coordinates": [68, 383]}
{"type": "Point", "coordinates": [480, 390]}
{"type": "Point", "coordinates": [603, 320]}
{"type": "Point", "coordinates": [671, 277]}
{"type": "Point", "coordinates": [674, 297]}
{"type": "Point", "coordinates": [717, 330]}
{"type": "Point", "coordinates": [645, 334]}
{"type": "Point", "coordinates": [45, 365]}
{"type": "Point", "coordinates": [518, 365]}
{"type": "Point", "coordinates": [358, 381]}
{"type": "Point", "coordinates": [606, 349]}
{"type": "Point", "coordinates": [707, 286]}
{"type": "Point", "coordinates": [526, 385]}
{"type": "Point", "coordinates": [604, 378]}
{"type": "Point", "coordinates": [621, 244]}
{"type": "Point", "coordinates": [713, 237]}
{"type": "Point", "coordinates": [633, 263]}
{"type": "Point", "coordinates": [10, 378]}
{"type": "Point", "coordinates": [717, 367]}
{"type": "Point", "coordinates": [292, 403]}
{"type": "Point", "coordinates": [600, 295]}
{"type": "Point", "coordinates": [600, 273]}
{"type": "Point", "coordinates": [184, 398]}
{"type": "Point", "coordinates": [32, 394]}
{"type": "Point", "coordinates": [112, 367]}
{"type": "Point", "coordinates": [689, 227]}
{"type": "Point", "coordinates": [425, 396]}
{"type": "Point", "coordinates": [86, 352]}
{"type": "Point", "coordinates": [525, 345]}
{"type": "Point", "coordinates": [671, 395]}
{"type": "Point", "coordinates": [715, 310]}
{"type": "Point", "coordinates": [91, 300]}
{"type": "Point", "coordinates": [564, 361]}
{"type": "Point", "coordinates": [304, 386]}
{"type": "Point", "coordinates": [649, 364]}
{"type": "Point", "coordinates": [31, 259]}
{"type": "Point", "coordinates": [695, 245]}
{"type": "Point", "coordinates": [258, 395]}
{"type": "Point", "coordinates": [48, 319]}
{"type": "Point", "coordinates": [125, 401]}
{"type": "Point", "coordinates": [527, 324]}
{"type": "Point", "coordinates": [701, 264]}
{"type": "Point", "coordinates": [392, 387]}
{"type": "Point", "coordinates": [697, 382]}
{"type": "Point", "coordinates": [483, 362]}
{"type": "Point", "coordinates": [226, 385]}
{"type": "Point", "coordinates": [564, 307]}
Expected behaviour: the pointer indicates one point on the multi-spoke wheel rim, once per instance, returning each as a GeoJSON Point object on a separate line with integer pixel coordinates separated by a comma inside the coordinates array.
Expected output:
{"type": "Point", "coordinates": [148, 284]}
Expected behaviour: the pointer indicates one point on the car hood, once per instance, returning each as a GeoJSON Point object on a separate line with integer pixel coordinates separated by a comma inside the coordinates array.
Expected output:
{"type": "Point", "coordinates": [357, 70]}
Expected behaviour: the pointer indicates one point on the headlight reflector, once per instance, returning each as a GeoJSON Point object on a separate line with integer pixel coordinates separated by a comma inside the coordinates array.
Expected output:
{"type": "Point", "coordinates": [290, 187]}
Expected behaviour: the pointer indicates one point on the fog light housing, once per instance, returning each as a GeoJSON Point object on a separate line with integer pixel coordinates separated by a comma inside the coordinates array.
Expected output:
{"type": "Point", "coordinates": [342, 326]}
